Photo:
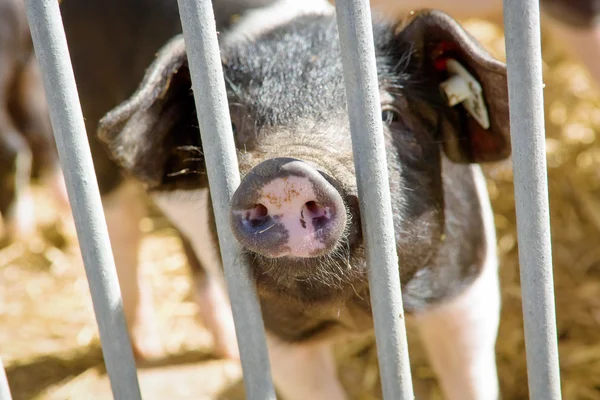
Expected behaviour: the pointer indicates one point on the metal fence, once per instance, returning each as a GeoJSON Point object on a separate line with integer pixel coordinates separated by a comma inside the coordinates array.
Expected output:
{"type": "Point", "coordinates": [354, 22]}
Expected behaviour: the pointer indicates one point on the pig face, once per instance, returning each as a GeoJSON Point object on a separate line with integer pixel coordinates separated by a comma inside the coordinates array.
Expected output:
{"type": "Point", "coordinates": [296, 211]}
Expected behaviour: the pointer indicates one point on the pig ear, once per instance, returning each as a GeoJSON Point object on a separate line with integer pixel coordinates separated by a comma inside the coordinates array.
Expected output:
{"type": "Point", "coordinates": [439, 44]}
{"type": "Point", "coordinates": [154, 134]}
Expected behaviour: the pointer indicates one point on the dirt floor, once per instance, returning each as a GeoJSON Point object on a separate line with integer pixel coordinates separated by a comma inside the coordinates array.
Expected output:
{"type": "Point", "coordinates": [48, 336]}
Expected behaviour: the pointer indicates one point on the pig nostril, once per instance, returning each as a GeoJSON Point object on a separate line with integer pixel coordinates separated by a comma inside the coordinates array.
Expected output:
{"type": "Point", "coordinates": [260, 211]}
{"type": "Point", "coordinates": [314, 210]}
{"type": "Point", "coordinates": [257, 215]}
{"type": "Point", "coordinates": [316, 213]}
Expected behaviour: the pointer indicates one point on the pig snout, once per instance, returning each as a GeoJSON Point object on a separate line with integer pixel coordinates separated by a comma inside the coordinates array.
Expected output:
{"type": "Point", "coordinates": [285, 207]}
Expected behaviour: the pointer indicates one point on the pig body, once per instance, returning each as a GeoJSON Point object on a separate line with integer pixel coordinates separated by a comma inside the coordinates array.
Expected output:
{"type": "Point", "coordinates": [296, 211]}
{"type": "Point", "coordinates": [26, 146]}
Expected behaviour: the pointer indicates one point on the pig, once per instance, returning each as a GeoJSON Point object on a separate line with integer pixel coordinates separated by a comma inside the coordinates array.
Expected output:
{"type": "Point", "coordinates": [574, 22]}
{"type": "Point", "coordinates": [26, 144]}
{"type": "Point", "coordinates": [111, 42]}
{"type": "Point", "coordinates": [296, 211]}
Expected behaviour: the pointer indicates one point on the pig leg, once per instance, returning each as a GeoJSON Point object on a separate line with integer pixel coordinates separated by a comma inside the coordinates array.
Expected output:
{"type": "Point", "coordinates": [460, 338]}
{"type": "Point", "coordinates": [20, 216]}
{"type": "Point", "coordinates": [124, 210]}
{"type": "Point", "coordinates": [16, 200]}
{"type": "Point", "coordinates": [304, 371]}
{"type": "Point", "coordinates": [213, 304]}
{"type": "Point", "coordinates": [190, 211]}
{"type": "Point", "coordinates": [460, 335]}
{"type": "Point", "coordinates": [216, 313]}
{"type": "Point", "coordinates": [30, 113]}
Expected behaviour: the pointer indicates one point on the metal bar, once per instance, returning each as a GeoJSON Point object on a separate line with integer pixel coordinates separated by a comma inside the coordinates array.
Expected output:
{"type": "Point", "coordinates": [200, 37]}
{"type": "Point", "coordinates": [364, 110]}
{"type": "Point", "coordinates": [525, 89]}
{"type": "Point", "coordinates": [50, 46]}
{"type": "Point", "coordinates": [4, 388]}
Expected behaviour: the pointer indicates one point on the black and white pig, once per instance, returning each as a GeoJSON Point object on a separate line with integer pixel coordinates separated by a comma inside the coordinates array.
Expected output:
{"type": "Point", "coordinates": [27, 148]}
{"type": "Point", "coordinates": [296, 211]}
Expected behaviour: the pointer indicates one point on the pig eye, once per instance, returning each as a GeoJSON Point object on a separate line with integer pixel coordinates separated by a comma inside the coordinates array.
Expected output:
{"type": "Point", "coordinates": [390, 115]}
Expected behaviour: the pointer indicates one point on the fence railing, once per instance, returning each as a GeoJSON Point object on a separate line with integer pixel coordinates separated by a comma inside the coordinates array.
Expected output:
{"type": "Point", "coordinates": [360, 74]}
{"type": "Point", "coordinates": [364, 111]}
{"type": "Point", "coordinates": [526, 102]}
{"type": "Point", "coordinates": [50, 45]}
{"type": "Point", "coordinates": [200, 35]}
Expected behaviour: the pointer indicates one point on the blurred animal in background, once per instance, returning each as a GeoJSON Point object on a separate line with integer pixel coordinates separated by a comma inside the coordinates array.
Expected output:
{"type": "Point", "coordinates": [27, 148]}
{"type": "Point", "coordinates": [575, 23]}
{"type": "Point", "coordinates": [110, 43]}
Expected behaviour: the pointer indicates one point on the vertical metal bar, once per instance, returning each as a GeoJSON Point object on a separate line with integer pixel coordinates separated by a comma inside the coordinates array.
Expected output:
{"type": "Point", "coordinates": [525, 89]}
{"type": "Point", "coordinates": [208, 84]}
{"type": "Point", "coordinates": [4, 388]}
{"type": "Point", "coordinates": [364, 109]}
{"type": "Point", "coordinates": [50, 46]}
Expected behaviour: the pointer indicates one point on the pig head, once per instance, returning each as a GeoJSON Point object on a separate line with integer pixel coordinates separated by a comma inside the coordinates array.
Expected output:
{"type": "Point", "coordinates": [296, 212]}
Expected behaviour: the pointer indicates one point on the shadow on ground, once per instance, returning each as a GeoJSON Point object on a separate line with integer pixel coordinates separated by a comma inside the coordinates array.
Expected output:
{"type": "Point", "coordinates": [37, 375]}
